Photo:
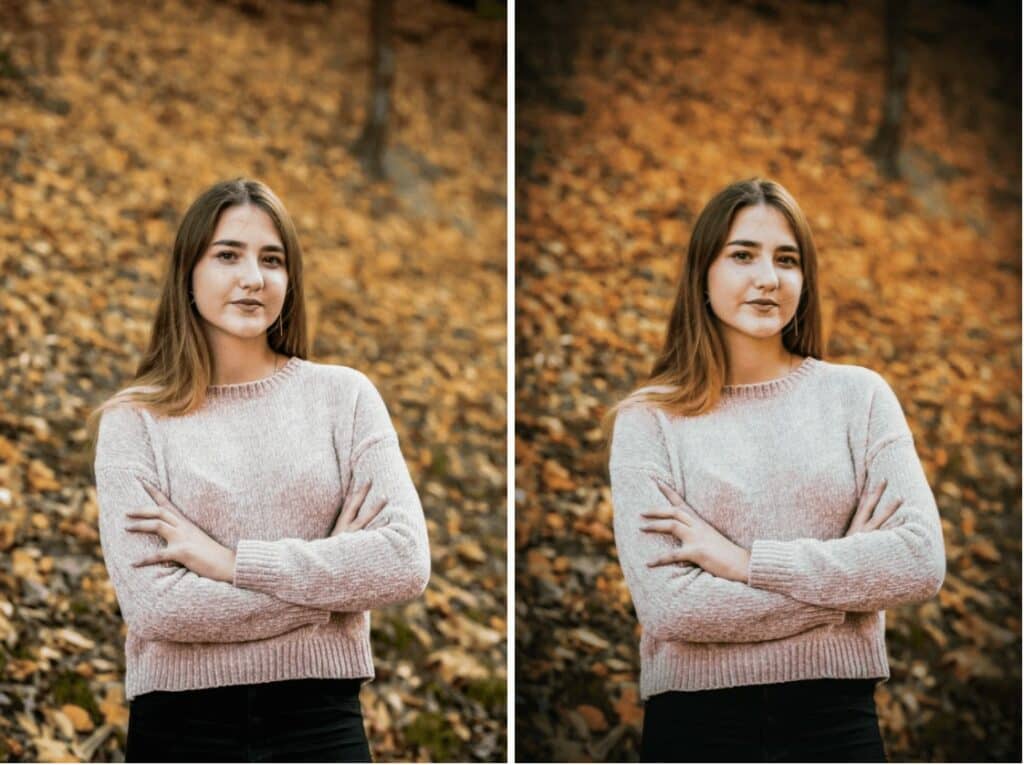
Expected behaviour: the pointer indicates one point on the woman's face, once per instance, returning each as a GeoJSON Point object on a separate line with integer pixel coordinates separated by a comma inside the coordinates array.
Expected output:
{"type": "Point", "coordinates": [760, 262]}
{"type": "Point", "coordinates": [245, 261]}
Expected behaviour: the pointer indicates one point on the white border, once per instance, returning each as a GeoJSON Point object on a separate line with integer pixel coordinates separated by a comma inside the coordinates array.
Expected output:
{"type": "Point", "coordinates": [510, 371]}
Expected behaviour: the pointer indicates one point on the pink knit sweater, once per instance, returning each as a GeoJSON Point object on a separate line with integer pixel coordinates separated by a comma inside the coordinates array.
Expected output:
{"type": "Point", "coordinates": [778, 468]}
{"type": "Point", "coordinates": [262, 467]}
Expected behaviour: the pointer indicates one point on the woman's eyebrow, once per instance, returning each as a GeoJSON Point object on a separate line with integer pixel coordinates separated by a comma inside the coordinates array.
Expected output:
{"type": "Point", "coordinates": [748, 243]}
{"type": "Point", "coordinates": [241, 245]}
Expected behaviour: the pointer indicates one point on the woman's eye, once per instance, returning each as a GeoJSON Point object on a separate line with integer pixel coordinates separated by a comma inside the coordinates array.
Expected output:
{"type": "Point", "coordinates": [741, 255]}
{"type": "Point", "coordinates": [273, 259]}
{"type": "Point", "coordinates": [789, 259]}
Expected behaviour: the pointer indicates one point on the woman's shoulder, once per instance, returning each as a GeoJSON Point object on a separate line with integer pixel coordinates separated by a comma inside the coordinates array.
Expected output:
{"type": "Point", "coordinates": [124, 433]}
{"type": "Point", "coordinates": [642, 403]}
{"type": "Point", "coordinates": [640, 411]}
{"type": "Point", "coordinates": [853, 378]}
{"type": "Point", "coordinates": [123, 411]}
{"type": "Point", "coordinates": [338, 375]}
{"type": "Point", "coordinates": [346, 386]}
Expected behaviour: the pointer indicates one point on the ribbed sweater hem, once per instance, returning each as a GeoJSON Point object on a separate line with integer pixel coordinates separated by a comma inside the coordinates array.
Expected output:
{"type": "Point", "coordinates": [697, 667]}
{"type": "Point", "coordinates": [165, 666]}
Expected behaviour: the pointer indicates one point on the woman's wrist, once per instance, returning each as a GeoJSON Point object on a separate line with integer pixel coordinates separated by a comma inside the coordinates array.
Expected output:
{"type": "Point", "coordinates": [740, 565]}
{"type": "Point", "coordinates": [226, 572]}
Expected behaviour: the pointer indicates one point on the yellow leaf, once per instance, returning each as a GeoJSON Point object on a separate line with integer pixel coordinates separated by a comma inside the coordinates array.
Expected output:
{"type": "Point", "coordinates": [79, 717]}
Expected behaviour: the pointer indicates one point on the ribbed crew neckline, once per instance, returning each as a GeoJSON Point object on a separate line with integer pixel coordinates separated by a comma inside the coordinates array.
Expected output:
{"type": "Point", "coordinates": [770, 388]}
{"type": "Point", "coordinates": [256, 388]}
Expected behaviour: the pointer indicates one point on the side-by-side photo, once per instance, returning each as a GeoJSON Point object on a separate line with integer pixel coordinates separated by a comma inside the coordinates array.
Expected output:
{"type": "Point", "coordinates": [767, 382]}
{"type": "Point", "coordinates": [253, 419]}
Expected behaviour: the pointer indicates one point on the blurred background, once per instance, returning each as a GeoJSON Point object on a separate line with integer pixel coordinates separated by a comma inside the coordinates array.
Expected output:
{"type": "Point", "coordinates": [629, 117]}
{"type": "Point", "coordinates": [113, 117]}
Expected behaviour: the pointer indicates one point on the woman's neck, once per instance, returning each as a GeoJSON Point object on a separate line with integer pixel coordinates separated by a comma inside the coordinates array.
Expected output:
{"type": "Point", "coordinates": [233, 369]}
{"type": "Point", "coordinates": [753, 360]}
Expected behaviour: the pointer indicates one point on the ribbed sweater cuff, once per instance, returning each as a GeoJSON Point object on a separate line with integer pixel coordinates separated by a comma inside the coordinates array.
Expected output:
{"type": "Point", "coordinates": [771, 566]}
{"type": "Point", "coordinates": [257, 565]}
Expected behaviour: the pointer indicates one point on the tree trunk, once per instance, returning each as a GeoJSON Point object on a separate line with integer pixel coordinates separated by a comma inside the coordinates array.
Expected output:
{"type": "Point", "coordinates": [886, 143]}
{"type": "Point", "coordinates": [373, 140]}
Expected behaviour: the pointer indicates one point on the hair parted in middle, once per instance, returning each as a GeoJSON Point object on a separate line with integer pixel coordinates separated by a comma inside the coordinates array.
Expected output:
{"type": "Point", "coordinates": [689, 373]}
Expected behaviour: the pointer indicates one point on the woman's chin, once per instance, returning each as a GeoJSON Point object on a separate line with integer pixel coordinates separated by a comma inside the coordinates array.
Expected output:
{"type": "Point", "coordinates": [243, 331]}
{"type": "Point", "coordinates": [758, 331]}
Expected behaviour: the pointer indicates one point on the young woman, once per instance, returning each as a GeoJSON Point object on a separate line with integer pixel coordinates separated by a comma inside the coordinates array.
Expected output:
{"type": "Point", "coordinates": [768, 505]}
{"type": "Point", "coordinates": [220, 472]}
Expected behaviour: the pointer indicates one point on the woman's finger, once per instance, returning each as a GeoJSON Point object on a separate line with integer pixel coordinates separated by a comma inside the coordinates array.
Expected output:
{"type": "Point", "coordinates": [675, 514]}
{"type": "Point", "coordinates": [150, 527]}
{"type": "Point", "coordinates": [672, 527]}
{"type": "Point", "coordinates": [156, 513]}
{"type": "Point", "coordinates": [885, 513]}
{"type": "Point", "coordinates": [149, 560]}
{"type": "Point", "coordinates": [144, 512]}
{"type": "Point", "coordinates": [158, 497]}
{"type": "Point", "coordinates": [346, 504]}
{"type": "Point", "coordinates": [670, 494]}
{"type": "Point", "coordinates": [358, 496]}
{"type": "Point", "coordinates": [676, 556]}
{"type": "Point", "coordinates": [667, 512]}
{"type": "Point", "coordinates": [169, 511]}
{"type": "Point", "coordinates": [866, 507]}
{"type": "Point", "coordinates": [874, 496]}
{"type": "Point", "coordinates": [364, 519]}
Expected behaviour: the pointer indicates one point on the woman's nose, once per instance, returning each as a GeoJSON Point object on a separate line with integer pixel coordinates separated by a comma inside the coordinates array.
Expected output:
{"type": "Point", "coordinates": [766, 276]}
{"type": "Point", "coordinates": [251, 275]}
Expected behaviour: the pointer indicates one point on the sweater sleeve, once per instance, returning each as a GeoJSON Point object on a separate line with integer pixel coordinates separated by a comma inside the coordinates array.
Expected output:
{"type": "Point", "coordinates": [682, 601]}
{"type": "Point", "coordinates": [384, 563]}
{"type": "Point", "coordinates": [168, 601]}
{"type": "Point", "coordinates": [903, 561]}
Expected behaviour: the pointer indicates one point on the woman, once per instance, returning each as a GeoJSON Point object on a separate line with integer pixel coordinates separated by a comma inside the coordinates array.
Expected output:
{"type": "Point", "coordinates": [768, 506]}
{"type": "Point", "coordinates": [219, 474]}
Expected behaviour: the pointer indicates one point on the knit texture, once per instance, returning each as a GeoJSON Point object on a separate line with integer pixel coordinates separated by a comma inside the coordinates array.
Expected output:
{"type": "Point", "coordinates": [262, 467]}
{"type": "Point", "coordinates": [777, 467]}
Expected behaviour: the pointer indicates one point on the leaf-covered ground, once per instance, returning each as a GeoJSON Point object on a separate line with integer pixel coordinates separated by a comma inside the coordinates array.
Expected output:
{"type": "Point", "coordinates": [650, 110]}
{"type": "Point", "coordinates": [114, 116]}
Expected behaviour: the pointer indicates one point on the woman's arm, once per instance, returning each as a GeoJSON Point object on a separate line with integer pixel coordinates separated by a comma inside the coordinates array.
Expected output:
{"type": "Point", "coordinates": [684, 602]}
{"type": "Point", "coordinates": [903, 561]}
{"type": "Point", "coordinates": [160, 602]}
{"type": "Point", "coordinates": [387, 562]}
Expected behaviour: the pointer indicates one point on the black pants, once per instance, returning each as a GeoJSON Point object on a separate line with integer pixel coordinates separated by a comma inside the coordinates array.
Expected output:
{"type": "Point", "coordinates": [805, 721]}
{"type": "Point", "coordinates": [314, 720]}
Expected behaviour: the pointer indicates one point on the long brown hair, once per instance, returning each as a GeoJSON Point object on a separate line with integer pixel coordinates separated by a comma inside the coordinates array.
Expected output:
{"type": "Point", "coordinates": [173, 374]}
{"type": "Point", "coordinates": [689, 373]}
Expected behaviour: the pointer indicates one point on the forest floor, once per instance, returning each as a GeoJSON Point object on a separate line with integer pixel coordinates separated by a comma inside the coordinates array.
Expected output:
{"type": "Point", "coordinates": [647, 115]}
{"type": "Point", "coordinates": [114, 118]}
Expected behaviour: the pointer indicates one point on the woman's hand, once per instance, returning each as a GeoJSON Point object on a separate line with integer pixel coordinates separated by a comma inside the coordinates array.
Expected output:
{"type": "Point", "coordinates": [352, 516]}
{"type": "Point", "coordinates": [700, 542]}
{"type": "Point", "coordinates": [863, 520]}
{"type": "Point", "coordinates": [187, 544]}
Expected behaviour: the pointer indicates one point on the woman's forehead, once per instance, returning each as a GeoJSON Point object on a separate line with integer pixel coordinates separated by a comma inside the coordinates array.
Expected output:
{"type": "Point", "coordinates": [755, 221]}
{"type": "Point", "coordinates": [248, 224]}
